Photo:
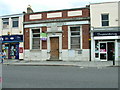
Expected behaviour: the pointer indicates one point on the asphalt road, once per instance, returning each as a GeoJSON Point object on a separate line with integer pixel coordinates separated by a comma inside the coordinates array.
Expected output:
{"type": "Point", "coordinates": [59, 77]}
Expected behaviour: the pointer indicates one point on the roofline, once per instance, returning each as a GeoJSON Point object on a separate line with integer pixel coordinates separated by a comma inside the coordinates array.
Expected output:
{"type": "Point", "coordinates": [11, 15]}
{"type": "Point", "coordinates": [105, 2]}
{"type": "Point", "coordinates": [59, 10]}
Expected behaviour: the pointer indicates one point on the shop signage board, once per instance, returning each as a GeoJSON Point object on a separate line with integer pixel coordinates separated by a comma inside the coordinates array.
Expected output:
{"type": "Point", "coordinates": [43, 36]}
{"type": "Point", "coordinates": [106, 33]}
{"type": "Point", "coordinates": [12, 38]}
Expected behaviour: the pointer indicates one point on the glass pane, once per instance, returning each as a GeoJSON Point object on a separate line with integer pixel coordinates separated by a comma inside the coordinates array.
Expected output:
{"type": "Point", "coordinates": [105, 17]}
{"type": "Point", "coordinates": [15, 19]}
{"type": "Point", "coordinates": [105, 23]}
{"type": "Point", "coordinates": [96, 55]}
{"type": "Point", "coordinates": [36, 35]}
{"type": "Point", "coordinates": [36, 43]}
{"type": "Point", "coordinates": [96, 47]}
{"type": "Point", "coordinates": [75, 28]}
{"type": "Point", "coordinates": [75, 46]}
{"type": "Point", "coordinates": [75, 40]}
{"type": "Point", "coordinates": [5, 23]}
{"type": "Point", "coordinates": [102, 47]}
{"type": "Point", "coordinates": [75, 33]}
{"type": "Point", "coordinates": [36, 31]}
{"type": "Point", "coordinates": [15, 23]}
{"type": "Point", "coordinates": [103, 56]}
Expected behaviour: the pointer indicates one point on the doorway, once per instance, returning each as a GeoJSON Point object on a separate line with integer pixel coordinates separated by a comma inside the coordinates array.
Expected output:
{"type": "Point", "coordinates": [12, 50]}
{"type": "Point", "coordinates": [54, 45]}
{"type": "Point", "coordinates": [111, 51]}
{"type": "Point", "coordinates": [106, 51]}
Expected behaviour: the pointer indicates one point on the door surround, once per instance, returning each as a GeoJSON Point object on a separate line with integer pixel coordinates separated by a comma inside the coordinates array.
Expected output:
{"type": "Point", "coordinates": [51, 35]}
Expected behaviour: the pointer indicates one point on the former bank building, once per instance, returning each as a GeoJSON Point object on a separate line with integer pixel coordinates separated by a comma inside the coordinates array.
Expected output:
{"type": "Point", "coordinates": [57, 35]}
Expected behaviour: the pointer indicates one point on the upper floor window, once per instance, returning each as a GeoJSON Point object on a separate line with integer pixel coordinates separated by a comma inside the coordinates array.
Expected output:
{"type": "Point", "coordinates": [35, 38]}
{"type": "Point", "coordinates": [105, 19]}
{"type": "Point", "coordinates": [15, 22]}
{"type": "Point", "coordinates": [5, 23]}
{"type": "Point", "coordinates": [75, 37]}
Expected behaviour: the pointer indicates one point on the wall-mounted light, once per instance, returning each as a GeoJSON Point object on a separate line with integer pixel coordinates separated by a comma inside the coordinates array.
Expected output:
{"type": "Point", "coordinates": [8, 33]}
{"type": "Point", "coordinates": [20, 31]}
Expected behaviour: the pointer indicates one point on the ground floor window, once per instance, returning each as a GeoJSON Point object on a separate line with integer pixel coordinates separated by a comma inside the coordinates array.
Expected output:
{"type": "Point", "coordinates": [75, 37]}
{"type": "Point", "coordinates": [35, 38]}
{"type": "Point", "coordinates": [96, 49]}
{"type": "Point", "coordinates": [11, 50]}
{"type": "Point", "coordinates": [105, 50]}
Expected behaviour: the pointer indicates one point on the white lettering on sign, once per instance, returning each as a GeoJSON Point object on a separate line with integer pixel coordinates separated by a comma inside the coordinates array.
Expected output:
{"type": "Point", "coordinates": [75, 13]}
{"type": "Point", "coordinates": [12, 38]}
{"type": "Point", "coordinates": [36, 16]}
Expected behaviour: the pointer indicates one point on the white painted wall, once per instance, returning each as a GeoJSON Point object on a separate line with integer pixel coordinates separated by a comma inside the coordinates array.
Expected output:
{"type": "Point", "coordinates": [119, 14]}
{"type": "Point", "coordinates": [21, 55]}
{"type": "Point", "coordinates": [104, 8]}
{"type": "Point", "coordinates": [13, 31]}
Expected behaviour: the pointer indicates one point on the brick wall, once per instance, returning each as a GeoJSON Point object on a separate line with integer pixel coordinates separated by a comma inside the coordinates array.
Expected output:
{"type": "Point", "coordinates": [65, 37]}
{"type": "Point", "coordinates": [85, 13]}
{"type": "Point", "coordinates": [85, 36]}
{"type": "Point", "coordinates": [26, 39]}
{"type": "Point", "coordinates": [44, 43]}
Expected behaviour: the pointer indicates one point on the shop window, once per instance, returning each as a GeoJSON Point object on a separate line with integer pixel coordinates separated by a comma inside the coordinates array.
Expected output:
{"type": "Point", "coordinates": [96, 49]}
{"type": "Point", "coordinates": [5, 23]}
{"type": "Point", "coordinates": [35, 38]}
{"type": "Point", "coordinates": [75, 37]}
{"type": "Point", "coordinates": [15, 22]}
{"type": "Point", "coordinates": [105, 19]}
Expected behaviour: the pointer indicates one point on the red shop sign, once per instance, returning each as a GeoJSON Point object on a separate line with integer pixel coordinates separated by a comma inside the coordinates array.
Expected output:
{"type": "Point", "coordinates": [20, 49]}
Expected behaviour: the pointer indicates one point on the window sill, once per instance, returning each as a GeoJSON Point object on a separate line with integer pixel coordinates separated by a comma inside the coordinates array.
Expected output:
{"type": "Point", "coordinates": [75, 49]}
{"type": "Point", "coordinates": [15, 27]}
{"type": "Point", "coordinates": [34, 50]}
{"type": "Point", "coordinates": [5, 28]}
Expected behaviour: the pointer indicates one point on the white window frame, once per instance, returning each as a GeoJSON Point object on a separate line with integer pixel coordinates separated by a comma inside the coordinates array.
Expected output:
{"type": "Point", "coordinates": [69, 36]}
{"type": "Point", "coordinates": [105, 20]}
{"type": "Point", "coordinates": [14, 19]}
{"type": "Point", "coordinates": [3, 20]}
{"type": "Point", "coordinates": [31, 36]}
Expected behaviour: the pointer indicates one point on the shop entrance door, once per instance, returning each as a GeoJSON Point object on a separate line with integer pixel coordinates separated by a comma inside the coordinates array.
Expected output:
{"type": "Point", "coordinates": [14, 51]}
{"type": "Point", "coordinates": [111, 51]}
{"type": "Point", "coordinates": [103, 51]}
{"type": "Point", "coordinates": [54, 45]}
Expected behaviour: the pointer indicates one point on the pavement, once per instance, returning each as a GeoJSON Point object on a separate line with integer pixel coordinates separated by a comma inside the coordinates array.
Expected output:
{"type": "Point", "coordinates": [61, 63]}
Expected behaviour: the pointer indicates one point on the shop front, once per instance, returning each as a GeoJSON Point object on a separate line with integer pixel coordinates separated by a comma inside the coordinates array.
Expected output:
{"type": "Point", "coordinates": [105, 46]}
{"type": "Point", "coordinates": [12, 45]}
{"type": "Point", "coordinates": [105, 50]}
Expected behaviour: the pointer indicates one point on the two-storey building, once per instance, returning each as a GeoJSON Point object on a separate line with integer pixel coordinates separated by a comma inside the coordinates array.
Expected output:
{"type": "Point", "coordinates": [57, 35]}
{"type": "Point", "coordinates": [11, 32]}
{"type": "Point", "coordinates": [105, 31]}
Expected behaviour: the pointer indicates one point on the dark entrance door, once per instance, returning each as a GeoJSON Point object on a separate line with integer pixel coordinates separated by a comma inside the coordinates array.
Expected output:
{"type": "Point", "coordinates": [13, 51]}
{"type": "Point", "coordinates": [54, 44]}
{"type": "Point", "coordinates": [111, 50]}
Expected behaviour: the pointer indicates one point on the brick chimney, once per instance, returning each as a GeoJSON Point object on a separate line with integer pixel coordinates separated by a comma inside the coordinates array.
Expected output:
{"type": "Point", "coordinates": [29, 9]}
